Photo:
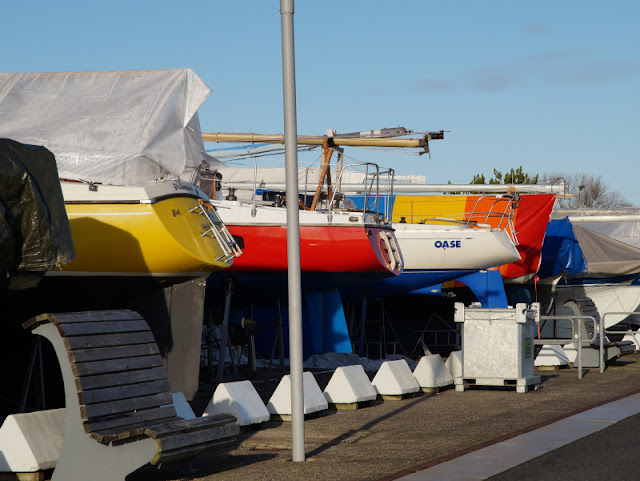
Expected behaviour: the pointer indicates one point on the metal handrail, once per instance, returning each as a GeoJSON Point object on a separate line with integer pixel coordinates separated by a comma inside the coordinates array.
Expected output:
{"type": "Point", "coordinates": [370, 178]}
{"type": "Point", "coordinates": [602, 333]}
{"type": "Point", "coordinates": [574, 320]}
{"type": "Point", "coordinates": [373, 176]}
{"type": "Point", "coordinates": [493, 213]}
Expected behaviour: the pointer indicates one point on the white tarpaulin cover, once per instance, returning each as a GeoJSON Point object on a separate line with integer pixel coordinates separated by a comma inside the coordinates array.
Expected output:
{"type": "Point", "coordinates": [120, 127]}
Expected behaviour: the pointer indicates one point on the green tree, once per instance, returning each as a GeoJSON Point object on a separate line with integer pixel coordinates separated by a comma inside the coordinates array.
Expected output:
{"type": "Point", "coordinates": [514, 176]}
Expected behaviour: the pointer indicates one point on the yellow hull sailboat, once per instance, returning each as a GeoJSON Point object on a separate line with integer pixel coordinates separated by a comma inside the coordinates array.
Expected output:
{"type": "Point", "coordinates": [128, 143]}
{"type": "Point", "coordinates": [144, 235]}
{"type": "Point", "coordinates": [162, 230]}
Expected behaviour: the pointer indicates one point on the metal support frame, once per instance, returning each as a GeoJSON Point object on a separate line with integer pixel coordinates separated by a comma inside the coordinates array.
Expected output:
{"type": "Point", "coordinates": [209, 341]}
{"type": "Point", "coordinates": [279, 340]}
{"type": "Point", "coordinates": [363, 317]}
{"type": "Point", "coordinates": [36, 356]}
{"type": "Point", "coordinates": [224, 344]}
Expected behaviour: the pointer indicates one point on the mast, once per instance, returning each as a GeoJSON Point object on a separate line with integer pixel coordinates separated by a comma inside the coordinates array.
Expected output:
{"type": "Point", "coordinates": [338, 140]}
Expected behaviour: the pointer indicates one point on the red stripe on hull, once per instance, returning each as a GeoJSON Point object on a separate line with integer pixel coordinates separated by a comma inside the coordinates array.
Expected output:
{"type": "Point", "coordinates": [333, 248]}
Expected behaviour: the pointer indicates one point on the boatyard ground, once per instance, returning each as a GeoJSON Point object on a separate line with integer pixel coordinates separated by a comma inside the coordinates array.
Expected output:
{"type": "Point", "coordinates": [393, 438]}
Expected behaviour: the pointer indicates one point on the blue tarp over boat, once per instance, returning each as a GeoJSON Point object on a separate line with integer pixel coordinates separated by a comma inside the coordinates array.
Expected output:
{"type": "Point", "coordinates": [561, 252]}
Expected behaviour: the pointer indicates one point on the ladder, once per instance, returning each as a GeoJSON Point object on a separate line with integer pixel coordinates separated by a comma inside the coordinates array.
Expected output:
{"type": "Point", "coordinates": [390, 251]}
{"type": "Point", "coordinates": [217, 230]}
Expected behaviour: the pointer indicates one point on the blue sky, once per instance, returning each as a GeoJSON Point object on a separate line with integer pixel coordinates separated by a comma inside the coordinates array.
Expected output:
{"type": "Point", "coordinates": [549, 85]}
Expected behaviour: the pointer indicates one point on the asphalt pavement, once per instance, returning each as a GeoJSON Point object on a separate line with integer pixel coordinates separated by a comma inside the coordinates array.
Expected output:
{"type": "Point", "coordinates": [597, 444]}
{"type": "Point", "coordinates": [609, 454]}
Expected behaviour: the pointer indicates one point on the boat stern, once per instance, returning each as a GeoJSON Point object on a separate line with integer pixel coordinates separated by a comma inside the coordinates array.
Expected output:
{"type": "Point", "coordinates": [162, 230]}
{"type": "Point", "coordinates": [386, 248]}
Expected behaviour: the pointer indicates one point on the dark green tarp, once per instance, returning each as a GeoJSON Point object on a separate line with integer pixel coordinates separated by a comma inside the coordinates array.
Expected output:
{"type": "Point", "coordinates": [34, 230]}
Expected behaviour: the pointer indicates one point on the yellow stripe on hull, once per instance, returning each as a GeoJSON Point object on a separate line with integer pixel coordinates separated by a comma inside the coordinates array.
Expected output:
{"type": "Point", "coordinates": [163, 238]}
{"type": "Point", "coordinates": [418, 208]}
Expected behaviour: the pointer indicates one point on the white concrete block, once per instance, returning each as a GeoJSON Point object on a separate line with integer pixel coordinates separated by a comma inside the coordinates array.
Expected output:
{"type": "Point", "coordinates": [239, 399]}
{"type": "Point", "coordinates": [454, 364]}
{"type": "Point", "coordinates": [551, 355]}
{"type": "Point", "coordinates": [432, 373]}
{"type": "Point", "coordinates": [394, 378]}
{"type": "Point", "coordinates": [182, 407]}
{"type": "Point", "coordinates": [349, 384]}
{"type": "Point", "coordinates": [633, 336]}
{"type": "Point", "coordinates": [571, 351]}
{"type": "Point", "coordinates": [314, 400]}
{"type": "Point", "coordinates": [31, 442]}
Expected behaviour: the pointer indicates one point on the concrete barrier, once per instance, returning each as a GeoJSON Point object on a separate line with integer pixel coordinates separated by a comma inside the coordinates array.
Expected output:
{"type": "Point", "coordinates": [31, 442]}
{"type": "Point", "coordinates": [394, 378]}
{"type": "Point", "coordinates": [551, 355]}
{"type": "Point", "coordinates": [280, 402]}
{"type": "Point", "coordinates": [182, 406]}
{"type": "Point", "coordinates": [349, 385]}
{"type": "Point", "coordinates": [239, 399]}
{"type": "Point", "coordinates": [432, 374]}
{"type": "Point", "coordinates": [454, 364]}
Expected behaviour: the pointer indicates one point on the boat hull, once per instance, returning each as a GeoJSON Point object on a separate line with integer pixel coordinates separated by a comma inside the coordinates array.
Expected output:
{"type": "Point", "coordinates": [450, 248]}
{"type": "Point", "coordinates": [331, 257]}
{"type": "Point", "coordinates": [620, 294]}
{"type": "Point", "coordinates": [529, 221]}
{"type": "Point", "coordinates": [162, 236]}
{"type": "Point", "coordinates": [435, 254]}
{"type": "Point", "coordinates": [330, 241]}
{"type": "Point", "coordinates": [336, 249]}
{"type": "Point", "coordinates": [327, 248]}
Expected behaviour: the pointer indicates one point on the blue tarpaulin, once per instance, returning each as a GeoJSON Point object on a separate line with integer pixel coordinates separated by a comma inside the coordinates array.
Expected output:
{"type": "Point", "coordinates": [561, 252]}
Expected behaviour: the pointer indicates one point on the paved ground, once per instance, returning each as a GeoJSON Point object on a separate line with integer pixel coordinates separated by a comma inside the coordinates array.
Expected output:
{"type": "Point", "coordinates": [591, 445]}
{"type": "Point", "coordinates": [392, 439]}
{"type": "Point", "coordinates": [608, 454]}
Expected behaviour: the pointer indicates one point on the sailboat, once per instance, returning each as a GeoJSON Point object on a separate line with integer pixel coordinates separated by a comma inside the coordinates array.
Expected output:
{"type": "Point", "coordinates": [524, 216]}
{"type": "Point", "coordinates": [442, 248]}
{"type": "Point", "coordinates": [339, 243]}
{"type": "Point", "coordinates": [125, 144]}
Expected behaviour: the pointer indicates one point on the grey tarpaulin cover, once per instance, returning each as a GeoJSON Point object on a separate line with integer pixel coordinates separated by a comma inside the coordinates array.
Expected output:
{"type": "Point", "coordinates": [605, 256]}
{"type": "Point", "coordinates": [627, 231]}
{"type": "Point", "coordinates": [620, 224]}
{"type": "Point", "coordinates": [34, 229]}
{"type": "Point", "coordinates": [120, 127]}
